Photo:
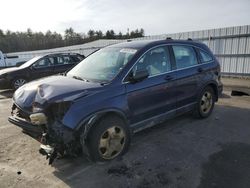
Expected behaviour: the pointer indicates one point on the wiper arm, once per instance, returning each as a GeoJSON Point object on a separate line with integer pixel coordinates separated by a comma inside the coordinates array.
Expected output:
{"type": "Point", "coordinates": [80, 78]}
{"type": "Point", "coordinates": [104, 83]}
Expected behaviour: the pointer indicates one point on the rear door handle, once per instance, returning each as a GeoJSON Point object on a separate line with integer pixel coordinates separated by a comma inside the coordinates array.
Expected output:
{"type": "Point", "coordinates": [200, 69]}
{"type": "Point", "coordinates": [168, 78]}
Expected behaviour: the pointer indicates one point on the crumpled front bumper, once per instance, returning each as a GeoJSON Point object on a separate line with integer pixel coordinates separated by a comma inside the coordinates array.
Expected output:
{"type": "Point", "coordinates": [25, 125]}
{"type": "Point", "coordinates": [32, 130]}
{"type": "Point", "coordinates": [56, 139]}
{"type": "Point", "coordinates": [36, 132]}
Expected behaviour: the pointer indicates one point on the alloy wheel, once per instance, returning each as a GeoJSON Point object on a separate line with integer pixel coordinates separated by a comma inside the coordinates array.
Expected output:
{"type": "Point", "coordinates": [19, 82]}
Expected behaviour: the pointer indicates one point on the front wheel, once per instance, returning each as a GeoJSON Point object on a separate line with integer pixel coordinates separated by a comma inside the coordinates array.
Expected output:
{"type": "Point", "coordinates": [108, 139]}
{"type": "Point", "coordinates": [205, 103]}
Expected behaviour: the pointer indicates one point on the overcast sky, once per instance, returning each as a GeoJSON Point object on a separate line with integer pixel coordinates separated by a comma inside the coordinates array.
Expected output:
{"type": "Point", "coordinates": [155, 16]}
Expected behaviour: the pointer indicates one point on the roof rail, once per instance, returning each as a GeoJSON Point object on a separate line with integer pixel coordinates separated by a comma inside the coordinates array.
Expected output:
{"type": "Point", "coordinates": [129, 40]}
{"type": "Point", "coordinates": [169, 38]}
{"type": "Point", "coordinates": [189, 39]}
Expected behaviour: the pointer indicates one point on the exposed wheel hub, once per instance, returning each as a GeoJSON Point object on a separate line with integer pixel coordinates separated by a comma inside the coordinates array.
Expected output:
{"type": "Point", "coordinates": [206, 102]}
{"type": "Point", "coordinates": [112, 142]}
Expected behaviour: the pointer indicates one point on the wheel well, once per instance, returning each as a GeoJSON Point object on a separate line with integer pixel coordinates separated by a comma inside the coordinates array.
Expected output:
{"type": "Point", "coordinates": [99, 116]}
{"type": "Point", "coordinates": [214, 87]}
{"type": "Point", "coordinates": [111, 113]}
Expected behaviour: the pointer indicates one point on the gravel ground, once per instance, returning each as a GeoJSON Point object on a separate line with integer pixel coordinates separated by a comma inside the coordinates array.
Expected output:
{"type": "Point", "coordinates": [183, 152]}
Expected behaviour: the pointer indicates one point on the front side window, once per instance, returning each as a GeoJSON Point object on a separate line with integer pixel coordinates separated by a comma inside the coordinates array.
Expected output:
{"type": "Point", "coordinates": [103, 65]}
{"type": "Point", "coordinates": [45, 62]}
{"type": "Point", "coordinates": [156, 61]}
{"type": "Point", "coordinates": [185, 56]}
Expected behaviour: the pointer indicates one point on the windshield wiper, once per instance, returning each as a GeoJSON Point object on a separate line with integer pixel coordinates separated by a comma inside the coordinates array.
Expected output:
{"type": "Point", "coordinates": [80, 78]}
{"type": "Point", "coordinates": [104, 83]}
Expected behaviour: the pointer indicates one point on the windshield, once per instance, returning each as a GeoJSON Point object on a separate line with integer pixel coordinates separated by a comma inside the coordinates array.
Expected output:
{"type": "Point", "coordinates": [103, 65]}
{"type": "Point", "coordinates": [30, 62]}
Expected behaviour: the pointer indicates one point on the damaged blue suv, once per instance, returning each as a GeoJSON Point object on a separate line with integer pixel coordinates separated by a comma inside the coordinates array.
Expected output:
{"type": "Point", "coordinates": [116, 91]}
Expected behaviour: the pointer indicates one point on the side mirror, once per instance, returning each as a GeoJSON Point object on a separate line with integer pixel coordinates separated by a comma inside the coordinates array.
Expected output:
{"type": "Point", "coordinates": [139, 75]}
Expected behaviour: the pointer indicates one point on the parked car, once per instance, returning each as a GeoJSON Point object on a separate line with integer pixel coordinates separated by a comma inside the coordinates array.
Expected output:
{"type": "Point", "coordinates": [114, 92]}
{"type": "Point", "coordinates": [38, 67]}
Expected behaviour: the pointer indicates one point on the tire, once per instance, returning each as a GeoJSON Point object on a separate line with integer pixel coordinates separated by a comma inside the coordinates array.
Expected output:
{"type": "Point", "coordinates": [205, 103]}
{"type": "Point", "coordinates": [108, 139]}
{"type": "Point", "coordinates": [18, 82]}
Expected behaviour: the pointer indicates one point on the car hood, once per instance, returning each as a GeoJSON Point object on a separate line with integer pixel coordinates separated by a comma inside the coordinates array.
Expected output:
{"type": "Point", "coordinates": [7, 70]}
{"type": "Point", "coordinates": [51, 90]}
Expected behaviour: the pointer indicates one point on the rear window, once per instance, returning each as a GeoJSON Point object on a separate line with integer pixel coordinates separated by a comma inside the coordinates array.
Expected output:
{"type": "Point", "coordinates": [205, 57]}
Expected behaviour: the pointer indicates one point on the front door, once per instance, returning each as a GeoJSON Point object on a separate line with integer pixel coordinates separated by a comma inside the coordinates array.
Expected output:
{"type": "Point", "coordinates": [154, 95]}
{"type": "Point", "coordinates": [42, 68]}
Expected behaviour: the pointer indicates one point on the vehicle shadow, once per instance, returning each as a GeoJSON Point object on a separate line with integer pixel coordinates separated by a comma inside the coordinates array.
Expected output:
{"type": "Point", "coordinates": [6, 94]}
{"type": "Point", "coordinates": [170, 154]}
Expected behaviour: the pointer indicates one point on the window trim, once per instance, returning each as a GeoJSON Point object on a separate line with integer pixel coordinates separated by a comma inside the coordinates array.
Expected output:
{"type": "Point", "coordinates": [173, 64]}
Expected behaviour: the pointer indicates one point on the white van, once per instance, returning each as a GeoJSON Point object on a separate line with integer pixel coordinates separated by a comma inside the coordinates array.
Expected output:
{"type": "Point", "coordinates": [10, 61]}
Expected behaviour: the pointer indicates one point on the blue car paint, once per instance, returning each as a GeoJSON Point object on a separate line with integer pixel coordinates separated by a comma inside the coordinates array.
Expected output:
{"type": "Point", "coordinates": [134, 101]}
{"type": "Point", "coordinates": [144, 99]}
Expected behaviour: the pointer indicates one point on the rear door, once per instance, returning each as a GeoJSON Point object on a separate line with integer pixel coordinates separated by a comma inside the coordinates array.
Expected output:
{"type": "Point", "coordinates": [154, 95]}
{"type": "Point", "coordinates": [187, 70]}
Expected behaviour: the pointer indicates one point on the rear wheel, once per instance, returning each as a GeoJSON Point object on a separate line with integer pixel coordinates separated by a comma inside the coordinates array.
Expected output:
{"type": "Point", "coordinates": [18, 82]}
{"type": "Point", "coordinates": [108, 139]}
{"type": "Point", "coordinates": [205, 103]}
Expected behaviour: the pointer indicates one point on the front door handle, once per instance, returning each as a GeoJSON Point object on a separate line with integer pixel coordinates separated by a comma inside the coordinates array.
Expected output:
{"type": "Point", "coordinates": [168, 78]}
{"type": "Point", "coordinates": [200, 69]}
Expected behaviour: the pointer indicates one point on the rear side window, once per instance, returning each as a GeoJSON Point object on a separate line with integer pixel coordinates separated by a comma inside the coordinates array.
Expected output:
{"type": "Point", "coordinates": [185, 56]}
{"type": "Point", "coordinates": [68, 59]}
{"type": "Point", "coordinates": [205, 57]}
{"type": "Point", "coordinates": [63, 60]}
